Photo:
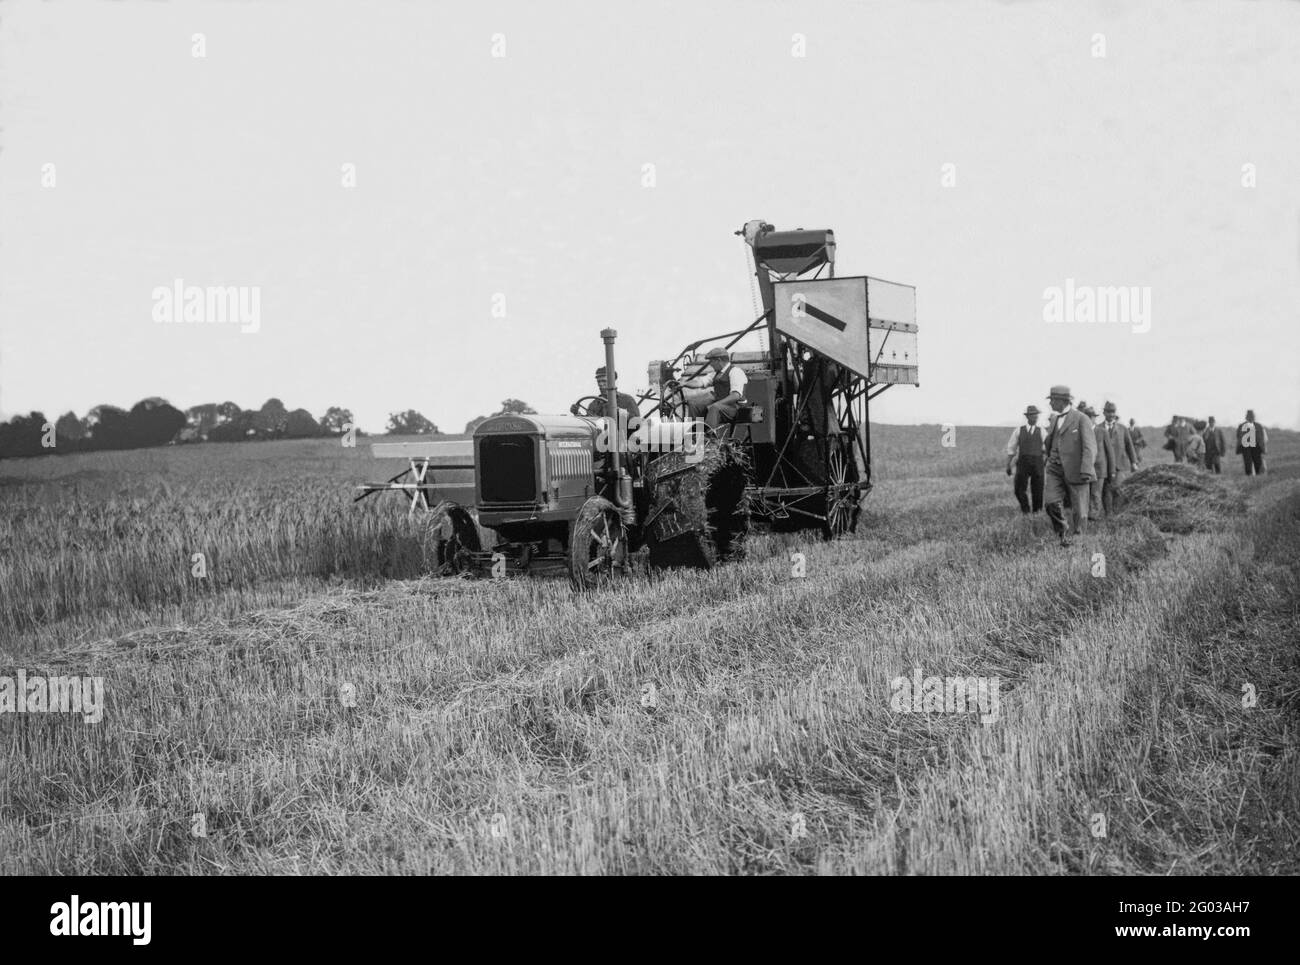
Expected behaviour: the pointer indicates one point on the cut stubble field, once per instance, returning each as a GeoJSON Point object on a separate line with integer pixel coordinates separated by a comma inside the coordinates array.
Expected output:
{"type": "Point", "coordinates": [314, 705]}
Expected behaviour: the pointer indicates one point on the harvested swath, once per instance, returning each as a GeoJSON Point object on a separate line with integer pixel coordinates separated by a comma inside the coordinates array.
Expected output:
{"type": "Point", "coordinates": [1181, 499]}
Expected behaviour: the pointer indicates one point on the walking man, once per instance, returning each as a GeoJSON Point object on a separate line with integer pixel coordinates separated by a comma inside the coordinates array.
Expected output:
{"type": "Point", "coordinates": [1252, 439]}
{"type": "Point", "coordinates": [1214, 447]}
{"type": "Point", "coordinates": [1025, 452]}
{"type": "Point", "coordinates": [1176, 438]}
{"type": "Point", "coordinates": [1139, 443]}
{"type": "Point", "coordinates": [1104, 464]}
{"type": "Point", "coordinates": [1196, 445]}
{"type": "Point", "coordinates": [1071, 456]}
{"type": "Point", "coordinates": [1126, 458]}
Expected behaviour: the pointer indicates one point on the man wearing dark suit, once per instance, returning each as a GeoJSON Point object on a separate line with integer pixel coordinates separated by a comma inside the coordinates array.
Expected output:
{"type": "Point", "coordinates": [1215, 449]}
{"type": "Point", "coordinates": [1251, 442]}
{"type": "Point", "coordinates": [1126, 458]}
{"type": "Point", "coordinates": [1176, 438]}
{"type": "Point", "coordinates": [1025, 452]}
{"type": "Point", "coordinates": [1071, 458]}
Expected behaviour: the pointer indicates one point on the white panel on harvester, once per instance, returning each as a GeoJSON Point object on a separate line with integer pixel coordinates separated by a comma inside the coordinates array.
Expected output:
{"type": "Point", "coordinates": [866, 324]}
{"type": "Point", "coordinates": [829, 316]}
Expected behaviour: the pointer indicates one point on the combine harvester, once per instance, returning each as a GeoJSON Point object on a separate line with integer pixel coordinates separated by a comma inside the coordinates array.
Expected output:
{"type": "Point", "coordinates": [535, 492]}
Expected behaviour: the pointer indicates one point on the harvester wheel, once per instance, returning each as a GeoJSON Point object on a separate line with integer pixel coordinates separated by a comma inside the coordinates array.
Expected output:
{"type": "Point", "coordinates": [450, 536]}
{"type": "Point", "coordinates": [598, 549]}
{"type": "Point", "coordinates": [844, 505]}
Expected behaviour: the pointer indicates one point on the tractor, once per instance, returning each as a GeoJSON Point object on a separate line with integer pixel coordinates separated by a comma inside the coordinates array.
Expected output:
{"type": "Point", "coordinates": [589, 494]}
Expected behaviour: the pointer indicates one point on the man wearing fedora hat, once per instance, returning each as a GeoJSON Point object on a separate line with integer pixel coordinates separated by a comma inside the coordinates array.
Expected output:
{"type": "Point", "coordinates": [1126, 457]}
{"type": "Point", "coordinates": [1071, 464]}
{"type": "Point", "coordinates": [1214, 446]}
{"type": "Point", "coordinates": [1252, 439]}
{"type": "Point", "coordinates": [1025, 452]}
{"type": "Point", "coordinates": [1104, 467]}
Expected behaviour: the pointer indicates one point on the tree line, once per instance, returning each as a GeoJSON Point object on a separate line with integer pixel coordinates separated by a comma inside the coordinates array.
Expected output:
{"type": "Point", "coordinates": [156, 422]}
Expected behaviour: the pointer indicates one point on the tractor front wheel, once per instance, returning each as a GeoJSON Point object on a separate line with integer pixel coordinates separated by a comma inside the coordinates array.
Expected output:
{"type": "Point", "coordinates": [598, 547]}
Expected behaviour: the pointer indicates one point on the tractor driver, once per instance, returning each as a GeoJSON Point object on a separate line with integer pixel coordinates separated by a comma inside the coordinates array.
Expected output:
{"type": "Point", "coordinates": [628, 421]}
{"type": "Point", "coordinates": [725, 387]}
{"type": "Point", "coordinates": [596, 409]}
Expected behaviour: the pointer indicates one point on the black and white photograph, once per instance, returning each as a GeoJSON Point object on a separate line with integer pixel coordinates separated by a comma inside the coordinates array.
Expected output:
{"type": "Point", "coordinates": [693, 439]}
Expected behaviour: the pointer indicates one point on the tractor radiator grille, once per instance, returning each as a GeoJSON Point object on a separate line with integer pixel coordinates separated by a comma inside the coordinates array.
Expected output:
{"type": "Point", "coordinates": [507, 469]}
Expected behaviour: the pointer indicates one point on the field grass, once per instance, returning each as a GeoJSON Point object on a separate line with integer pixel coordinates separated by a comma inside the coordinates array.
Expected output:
{"type": "Point", "coordinates": [313, 712]}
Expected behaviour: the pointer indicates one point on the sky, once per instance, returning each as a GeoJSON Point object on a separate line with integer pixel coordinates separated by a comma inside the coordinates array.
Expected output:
{"type": "Point", "coordinates": [502, 212]}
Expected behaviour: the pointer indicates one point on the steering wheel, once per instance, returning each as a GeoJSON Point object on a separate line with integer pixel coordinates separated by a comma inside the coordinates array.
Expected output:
{"type": "Point", "coordinates": [674, 404]}
{"type": "Point", "coordinates": [583, 406]}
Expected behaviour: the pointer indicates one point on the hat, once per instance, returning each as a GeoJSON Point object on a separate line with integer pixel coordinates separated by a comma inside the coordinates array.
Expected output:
{"type": "Point", "coordinates": [1108, 407]}
{"type": "Point", "coordinates": [1032, 410]}
{"type": "Point", "coordinates": [1250, 415]}
{"type": "Point", "coordinates": [1087, 410]}
{"type": "Point", "coordinates": [717, 353]}
{"type": "Point", "coordinates": [1060, 392]}
{"type": "Point", "coordinates": [600, 373]}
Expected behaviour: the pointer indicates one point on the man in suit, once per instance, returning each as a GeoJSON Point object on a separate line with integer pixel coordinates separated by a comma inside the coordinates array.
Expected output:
{"type": "Point", "coordinates": [1139, 443]}
{"type": "Point", "coordinates": [1025, 452]}
{"type": "Point", "coordinates": [1126, 458]}
{"type": "Point", "coordinates": [1175, 438]}
{"type": "Point", "coordinates": [1215, 449]}
{"type": "Point", "coordinates": [1251, 442]}
{"type": "Point", "coordinates": [1196, 445]}
{"type": "Point", "coordinates": [1103, 464]}
{"type": "Point", "coordinates": [1071, 459]}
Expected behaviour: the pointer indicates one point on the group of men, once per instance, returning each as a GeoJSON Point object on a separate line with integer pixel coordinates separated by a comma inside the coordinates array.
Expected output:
{"type": "Point", "coordinates": [1076, 461]}
{"type": "Point", "coordinates": [1201, 443]}
{"type": "Point", "coordinates": [1080, 463]}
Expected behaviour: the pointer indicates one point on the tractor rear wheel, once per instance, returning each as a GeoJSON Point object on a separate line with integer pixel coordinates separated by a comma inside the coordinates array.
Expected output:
{"type": "Point", "coordinates": [450, 537]}
{"type": "Point", "coordinates": [598, 546]}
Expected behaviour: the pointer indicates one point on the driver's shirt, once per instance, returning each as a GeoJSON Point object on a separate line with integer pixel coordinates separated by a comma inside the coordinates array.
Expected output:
{"type": "Point", "coordinates": [626, 404]}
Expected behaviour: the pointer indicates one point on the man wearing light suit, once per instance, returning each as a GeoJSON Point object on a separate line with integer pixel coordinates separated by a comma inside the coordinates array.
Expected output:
{"type": "Point", "coordinates": [1104, 467]}
{"type": "Point", "coordinates": [1071, 459]}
